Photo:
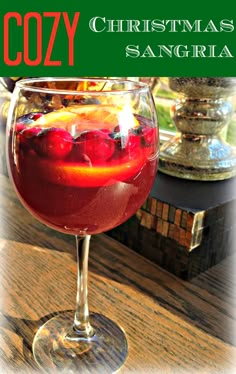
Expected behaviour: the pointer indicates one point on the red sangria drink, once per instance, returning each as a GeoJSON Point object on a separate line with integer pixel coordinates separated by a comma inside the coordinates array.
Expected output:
{"type": "Point", "coordinates": [82, 156]}
{"type": "Point", "coordinates": [78, 172]}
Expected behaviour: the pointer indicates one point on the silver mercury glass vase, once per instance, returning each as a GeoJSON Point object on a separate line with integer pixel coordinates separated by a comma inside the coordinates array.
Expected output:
{"type": "Point", "coordinates": [198, 151]}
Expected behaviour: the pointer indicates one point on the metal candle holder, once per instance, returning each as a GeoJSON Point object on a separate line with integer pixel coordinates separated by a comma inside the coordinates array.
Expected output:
{"type": "Point", "coordinates": [198, 151]}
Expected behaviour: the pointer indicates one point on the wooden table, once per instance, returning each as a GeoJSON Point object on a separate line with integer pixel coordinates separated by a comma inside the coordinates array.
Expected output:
{"type": "Point", "coordinates": [172, 326]}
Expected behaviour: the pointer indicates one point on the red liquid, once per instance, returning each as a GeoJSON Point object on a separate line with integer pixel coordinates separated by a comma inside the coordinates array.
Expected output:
{"type": "Point", "coordinates": [81, 197]}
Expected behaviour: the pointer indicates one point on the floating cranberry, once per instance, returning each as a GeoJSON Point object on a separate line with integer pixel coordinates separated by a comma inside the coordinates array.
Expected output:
{"type": "Point", "coordinates": [54, 143]}
{"type": "Point", "coordinates": [19, 127]}
{"type": "Point", "coordinates": [119, 138]}
{"type": "Point", "coordinates": [133, 142]}
{"type": "Point", "coordinates": [37, 115]}
{"type": "Point", "coordinates": [31, 131]}
{"type": "Point", "coordinates": [25, 137]}
{"type": "Point", "coordinates": [125, 142]}
{"type": "Point", "coordinates": [106, 131]}
{"type": "Point", "coordinates": [117, 129]}
{"type": "Point", "coordinates": [94, 145]}
{"type": "Point", "coordinates": [29, 118]}
{"type": "Point", "coordinates": [148, 137]}
{"type": "Point", "coordinates": [131, 149]}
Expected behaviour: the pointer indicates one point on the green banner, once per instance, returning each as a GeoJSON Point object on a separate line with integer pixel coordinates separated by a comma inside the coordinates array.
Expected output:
{"type": "Point", "coordinates": [82, 38]}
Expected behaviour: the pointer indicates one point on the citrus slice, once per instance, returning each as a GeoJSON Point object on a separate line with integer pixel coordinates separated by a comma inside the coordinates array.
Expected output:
{"type": "Point", "coordinates": [82, 175]}
{"type": "Point", "coordinates": [107, 115]}
{"type": "Point", "coordinates": [58, 118]}
{"type": "Point", "coordinates": [76, 118]}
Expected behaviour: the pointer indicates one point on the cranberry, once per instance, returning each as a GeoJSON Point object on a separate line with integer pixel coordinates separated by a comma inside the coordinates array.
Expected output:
{"type": "Point", "coordinates": [29, 118]}
{"type": "Point", "coordinates": [31, 131]}
{"type": "Point", "coordinates": [133, 142]}
{"type": "Point", "coordinates": [26, 136]}
{"type": "Point", "coordinates": [54, 143]}
{"type": "Point", "coordinates": [131, 148]}
{"type": "Point", "coordinates": [94, 145]}
{"type": "Point", "coordinates": [106, 131]}
{"type": "Point", "coordinates": [119, 139]}
{"type": "Point", "coordinates": [117, 129]}
{"type": "Point", "coordinates": [148, 137]}
{"type": "Point", "coordinates": [125, 142]}
{"type": "Point", "coordinates": [37, 115]}
{"type": "Point", "coordinates": [19, 127]}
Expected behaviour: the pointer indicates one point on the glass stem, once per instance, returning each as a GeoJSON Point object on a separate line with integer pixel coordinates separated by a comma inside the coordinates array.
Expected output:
{"type": "Point", "coordinates": [82, 326]}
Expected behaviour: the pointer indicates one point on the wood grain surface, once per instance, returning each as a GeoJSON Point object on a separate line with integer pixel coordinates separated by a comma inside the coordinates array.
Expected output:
{"type": "Point", "coordinates": [172, 326]}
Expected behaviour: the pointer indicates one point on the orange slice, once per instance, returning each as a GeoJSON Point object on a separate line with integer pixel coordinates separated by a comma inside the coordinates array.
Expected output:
{"type": "Point", "coordinates": [58, 118]}
{"type": "Point", "coordinates": [81, 175]}
{"type": "Point", "coordinates": [100, 113]}
{"type": "Point", "coordinates": [104, 116]}
{"type": "Point", "coordinates": [85, 117]}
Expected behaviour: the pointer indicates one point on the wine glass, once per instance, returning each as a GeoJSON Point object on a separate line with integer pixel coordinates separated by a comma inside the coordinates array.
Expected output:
{"type": "Point", "coordinates": [82, 156]}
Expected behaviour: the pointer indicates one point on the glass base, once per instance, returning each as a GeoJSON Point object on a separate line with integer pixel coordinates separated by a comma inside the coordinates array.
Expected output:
{"type": "Point", "coordinates": [210, 159]}
{"type": "Point", "coordinates": [105, 352]}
